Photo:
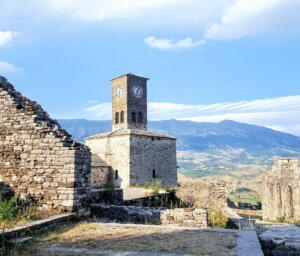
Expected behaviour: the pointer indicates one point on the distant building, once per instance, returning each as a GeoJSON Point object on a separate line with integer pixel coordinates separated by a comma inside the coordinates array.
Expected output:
{"type": "Point", "coordinates": [131, 155]}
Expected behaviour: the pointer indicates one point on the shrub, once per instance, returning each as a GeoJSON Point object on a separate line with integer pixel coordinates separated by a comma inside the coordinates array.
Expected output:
{"type": "Point", "coordinates": [156, 186]}
{"type": "Point", "coordinates": [216, 219]}
{"type": "Point", "coordinates": [11, 212]}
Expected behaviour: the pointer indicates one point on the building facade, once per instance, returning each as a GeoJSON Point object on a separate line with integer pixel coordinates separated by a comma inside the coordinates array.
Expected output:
{"type": "Point", "coordinates": [134, 154]}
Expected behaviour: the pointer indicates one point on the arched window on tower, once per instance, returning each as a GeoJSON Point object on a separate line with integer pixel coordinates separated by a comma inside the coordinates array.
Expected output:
{"type": "Point", "coordinates": [122, 117]}
{"type": "Point", "coordinates": [117, 118]}
{"type": "Point", "coordinates": [133, 116]}
{"type": "Point", "coordinates": [140, 117]}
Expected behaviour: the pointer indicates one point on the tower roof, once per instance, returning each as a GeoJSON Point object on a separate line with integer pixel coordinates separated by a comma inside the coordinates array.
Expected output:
{"type": "Point", "coordinates": [130, 75]}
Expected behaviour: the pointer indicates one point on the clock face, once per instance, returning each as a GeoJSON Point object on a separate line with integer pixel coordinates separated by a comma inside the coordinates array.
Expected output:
{"type": "Point", "coordinates": [119, 91]}
{"type": "Point", "coordinates": [137, 91]}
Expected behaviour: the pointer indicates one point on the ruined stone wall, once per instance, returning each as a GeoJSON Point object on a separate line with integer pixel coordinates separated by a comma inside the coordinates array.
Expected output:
{"type": "Point", "coordinates": [38, 159]}
{"type": "Point", "coordinates": [152, 154]}
{"type": "Point", "coordinates": [213, 192]}
{"type": "Point", "coordinates": [188, 217]}
{"type": "Point", "coordinates": [185, 217]}
{"type": "Point", "coordinates": [282, 191]}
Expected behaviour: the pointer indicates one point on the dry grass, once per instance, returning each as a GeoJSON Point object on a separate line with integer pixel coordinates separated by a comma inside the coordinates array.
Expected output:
{"type": "Point", "coordinates": [137, 238]}
{"type": "Point", "coordinates": [248, 212]}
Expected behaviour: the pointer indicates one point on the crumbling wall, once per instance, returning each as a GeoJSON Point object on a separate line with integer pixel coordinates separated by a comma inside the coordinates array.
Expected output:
{"type": "Point", "coordinates": [213, 192]}
{"type": "Point", "coordinates": [282, 191]}
{"type": "Point", "coordinates": [38, 159]}
{"type": "Point", "coordinates": [184, 217]}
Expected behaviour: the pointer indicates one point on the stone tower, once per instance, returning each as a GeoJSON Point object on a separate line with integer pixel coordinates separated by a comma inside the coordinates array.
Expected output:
{"type": "Point", "coordinates": [131, 155]}
{"type": "Point", "coordinates": [129, 102]}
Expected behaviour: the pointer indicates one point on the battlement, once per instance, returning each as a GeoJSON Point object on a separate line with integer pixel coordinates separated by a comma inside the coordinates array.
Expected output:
{"type": "Point", "coordinates": [286, 163]}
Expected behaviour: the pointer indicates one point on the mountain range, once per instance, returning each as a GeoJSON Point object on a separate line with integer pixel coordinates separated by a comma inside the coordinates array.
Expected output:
{"type": "Point", "coordinates": [224, 148]}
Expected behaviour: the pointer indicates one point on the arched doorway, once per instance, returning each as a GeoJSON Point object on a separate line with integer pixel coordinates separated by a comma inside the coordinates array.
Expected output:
{"type": "Point", "coordinates": [246, 203]}
{"type": "Point", "coordinates": [290, 204]}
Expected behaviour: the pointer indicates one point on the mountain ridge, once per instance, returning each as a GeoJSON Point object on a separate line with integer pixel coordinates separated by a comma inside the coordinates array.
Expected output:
{"type": "Point", "coordinates": [224, 148]}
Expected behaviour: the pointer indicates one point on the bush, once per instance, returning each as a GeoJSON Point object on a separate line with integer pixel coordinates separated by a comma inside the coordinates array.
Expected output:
{"type": "Point", "coordinates": [156, 186]}
{"type": "Point", "coordinates": [13, 211]}
{"type": "Point", "coordinates": [216, 219]}
{"type": "Point", "coordinates": [9, 212]}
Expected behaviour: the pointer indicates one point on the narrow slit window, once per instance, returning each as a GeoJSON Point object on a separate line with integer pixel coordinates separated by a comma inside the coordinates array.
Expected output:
{"type": "Point", "coordinates": [117, 118]}
{"type": "Point", "coordinates": [122, 117]}
{"type": "Point", "coordinates": [116, 174]}
{"type": "Point", "coordinates": [140, 117]}
{"type": "Point", "coordinates": [133, 117]}
{"type": "Point", "coordinates": [153, 173]}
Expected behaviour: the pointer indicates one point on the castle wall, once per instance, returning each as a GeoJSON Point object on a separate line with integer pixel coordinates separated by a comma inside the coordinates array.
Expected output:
{"type": "Point", "coordinates": [149, 153]}
{"type": "Point", "coordinates": [281, 191]}
{"type": "Point", "coordinates": [38, 159]}
{"type": "Point", "coordinates": [115, 152]}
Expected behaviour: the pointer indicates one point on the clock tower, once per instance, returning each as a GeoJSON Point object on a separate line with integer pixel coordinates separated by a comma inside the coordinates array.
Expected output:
{"type": "Point", "coordinates": [131, 155]}
{"type": "Point", "coordinates": [129, 102]}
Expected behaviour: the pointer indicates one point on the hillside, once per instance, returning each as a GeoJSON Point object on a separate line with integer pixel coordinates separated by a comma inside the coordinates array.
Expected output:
{"type": "Point", "coordinates": [225, 148]}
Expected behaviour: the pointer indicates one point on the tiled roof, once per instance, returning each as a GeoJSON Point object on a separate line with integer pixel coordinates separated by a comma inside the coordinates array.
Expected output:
{"type": "Point", "coordinates": [137, 132]}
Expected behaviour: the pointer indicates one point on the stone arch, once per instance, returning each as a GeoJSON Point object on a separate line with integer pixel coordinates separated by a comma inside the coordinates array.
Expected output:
{"type": "Point", "coordinates": [213, 193]}
{"type": "Point", "coordinates": [290, 203]}
{"type": "Point", "coordinates": [235, 184]}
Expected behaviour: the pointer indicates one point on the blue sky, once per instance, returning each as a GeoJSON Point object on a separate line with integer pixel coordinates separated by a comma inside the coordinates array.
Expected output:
{"type": "Point", "coordinates": [206, 60]}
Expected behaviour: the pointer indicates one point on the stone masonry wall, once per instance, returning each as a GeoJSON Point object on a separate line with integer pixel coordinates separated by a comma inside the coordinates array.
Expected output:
{"type": "Point", "coordinates": [115, 152]}
{"type": "Point", "coordinates": [185, 217]}
{"type": "Point", "coordinates": [153, 154]}
{"type": "Point", "coordinates": [100, 176]}
{"type": "Point", "coordinates": [213, 192]}
{"type": "Point", "coordinates": [135, 157]}
{"type": "Point", "coordinates": [38, 159]}
{"type": "Point", "coordinates": [188, 217]}
{"type": "Point", "coordinates": [282, 190]}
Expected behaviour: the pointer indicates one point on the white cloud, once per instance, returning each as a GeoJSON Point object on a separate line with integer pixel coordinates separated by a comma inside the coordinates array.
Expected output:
{"type": "Point", "coordinates": [99, 111]}
{"type": "Point", "coordinates": [7, 37]}
{"type": "Point", "coordinates": [211, 20]}
{"type": "Point", "coordinates": [6, 67]}
{"type": "Point", "coordinates": [282, 113]}
{"type": "Point", "coordinates": [155, 15]}
{"type": "Point", "coordinates": [173, 12]}
{"type": "Point", "coordinates": [172, 45]}
{"type": "Point", "coordinates": [112, 9]}
{"type": "Point", "coordinates": [254, 17]}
